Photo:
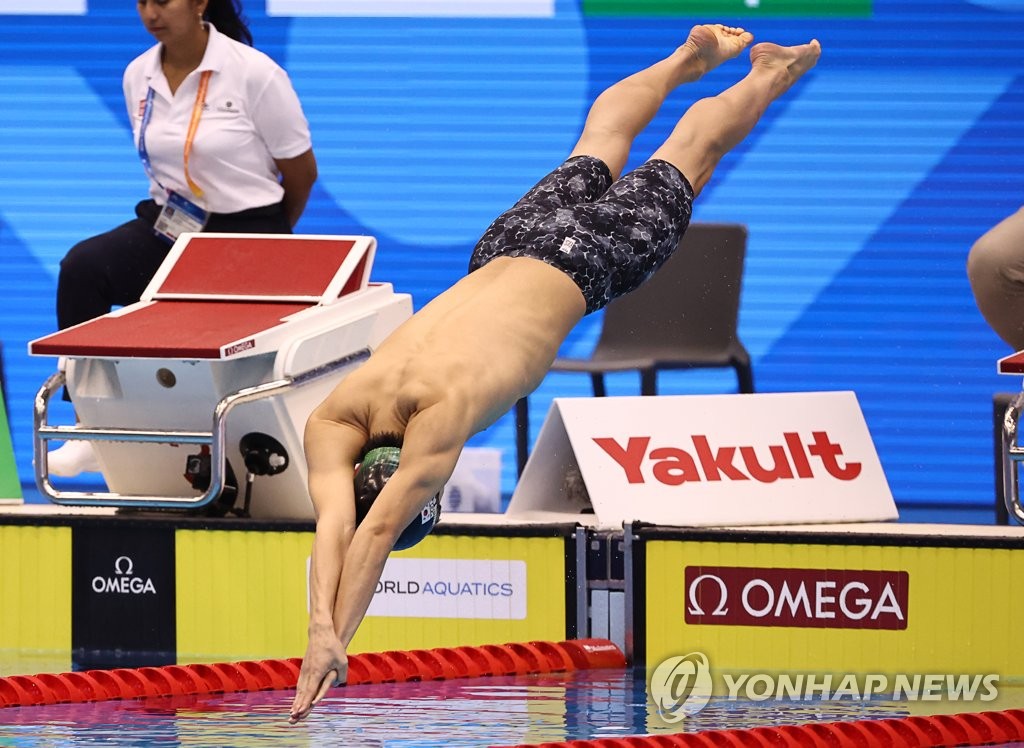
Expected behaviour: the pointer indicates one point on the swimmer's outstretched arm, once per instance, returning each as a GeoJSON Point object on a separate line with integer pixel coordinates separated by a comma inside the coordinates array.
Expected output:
{"type": "Point", "coordinates": [331, 450]}
{"type": "Point", "coordinates": [431, 447]}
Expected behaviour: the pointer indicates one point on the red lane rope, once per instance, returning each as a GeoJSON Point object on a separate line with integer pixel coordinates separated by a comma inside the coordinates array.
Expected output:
{"type": "Point", "coordinates": [443, 663]}
{"type": "Point", "coordinates": [940, 731]}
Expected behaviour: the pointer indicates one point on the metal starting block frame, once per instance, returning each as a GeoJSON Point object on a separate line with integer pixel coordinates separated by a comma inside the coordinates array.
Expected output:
{"type": "Point", "coordinates": [234, 342]}
{"type": "Point", "coordinates": [1012, 452]}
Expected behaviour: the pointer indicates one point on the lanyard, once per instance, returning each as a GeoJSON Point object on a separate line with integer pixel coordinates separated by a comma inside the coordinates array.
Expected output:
{"type": "Point", "coordinates": [193, 126]}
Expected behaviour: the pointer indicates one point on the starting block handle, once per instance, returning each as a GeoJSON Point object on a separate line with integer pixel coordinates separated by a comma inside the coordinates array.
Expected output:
{"type": "Point", "coordinates": [216, 438]}
{"type": "Point", "coordinates": [1013, 453]}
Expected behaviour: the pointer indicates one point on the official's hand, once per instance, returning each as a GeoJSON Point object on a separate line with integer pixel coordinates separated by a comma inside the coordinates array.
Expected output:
{"type": "Point", "coordinates": [324, 666]}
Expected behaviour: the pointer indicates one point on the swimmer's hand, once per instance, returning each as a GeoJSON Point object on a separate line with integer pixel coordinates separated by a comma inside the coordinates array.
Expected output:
{"type": "Point", "coordinates": [324, 666]}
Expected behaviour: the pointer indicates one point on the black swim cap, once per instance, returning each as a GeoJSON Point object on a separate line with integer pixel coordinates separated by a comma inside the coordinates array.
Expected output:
{"type": "Point", "coordinates": [377, 467]}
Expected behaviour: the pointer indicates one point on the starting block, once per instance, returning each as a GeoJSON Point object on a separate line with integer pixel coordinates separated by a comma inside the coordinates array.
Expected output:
{"type": "Point", "coordinates": [1012, 451]}
{"type": "Point", "coordinates": [210, 376]}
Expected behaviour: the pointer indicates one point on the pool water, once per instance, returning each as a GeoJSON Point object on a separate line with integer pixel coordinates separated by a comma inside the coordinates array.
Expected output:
{"type": "Point", "coordinates": [461, 713]}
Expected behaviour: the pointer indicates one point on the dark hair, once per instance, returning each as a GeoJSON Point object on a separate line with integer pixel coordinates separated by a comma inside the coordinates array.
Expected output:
{"type": "Point", "coordinates": [382, 439]}
{"type": "Point", "coordinates": [227, 16]}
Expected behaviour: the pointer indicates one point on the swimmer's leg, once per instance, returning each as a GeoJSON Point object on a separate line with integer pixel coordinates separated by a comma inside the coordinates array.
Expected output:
{"type": "Point", "coordinates": [623, 110]}
{"type": "Point", "coordinates": [995, 268]}
{"type": "Point", "coordinates": [713, 126]}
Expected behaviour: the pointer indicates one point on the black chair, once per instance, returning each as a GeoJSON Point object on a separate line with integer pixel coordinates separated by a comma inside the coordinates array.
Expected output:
{"type": "Point", "coordinates": [684, 317]}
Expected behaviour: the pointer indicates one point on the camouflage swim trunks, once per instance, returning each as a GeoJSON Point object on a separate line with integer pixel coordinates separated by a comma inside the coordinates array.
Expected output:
{"type": "Point", "coordinates": [609, 237]}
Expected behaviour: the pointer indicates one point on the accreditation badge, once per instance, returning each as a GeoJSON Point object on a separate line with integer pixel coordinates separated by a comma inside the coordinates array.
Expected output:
{"type": "Point", "coordinates": [179, 216]}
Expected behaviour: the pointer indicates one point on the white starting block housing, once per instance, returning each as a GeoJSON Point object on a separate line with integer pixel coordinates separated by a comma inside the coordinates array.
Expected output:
{"type": "Point", "coordinates": [234, 342]}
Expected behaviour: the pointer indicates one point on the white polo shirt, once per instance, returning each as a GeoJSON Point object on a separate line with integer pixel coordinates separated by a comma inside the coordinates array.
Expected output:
{"type": "Point", "coordinates": [252, 116]}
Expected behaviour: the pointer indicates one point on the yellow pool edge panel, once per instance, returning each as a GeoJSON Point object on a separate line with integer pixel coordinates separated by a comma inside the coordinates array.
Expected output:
{"type": "Point", "coordinates": [720, 598]}
{"type": "Point", "coordinates": [257, 595]}
{"type": "Point", "coordinates": [240, 593]}
{"type": "Point", "coordinates": [35, 588]}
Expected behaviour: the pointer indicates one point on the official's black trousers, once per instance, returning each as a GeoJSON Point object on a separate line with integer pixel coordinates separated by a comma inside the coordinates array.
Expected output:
{"type": "Point", "coordinates": [114, 268]}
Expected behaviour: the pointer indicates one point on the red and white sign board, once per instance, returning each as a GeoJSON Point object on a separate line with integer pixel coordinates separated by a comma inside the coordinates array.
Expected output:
{"type": "Point", "coordinates": [709, 460]}
{"type": "Point", "coordinates": [800, 598]}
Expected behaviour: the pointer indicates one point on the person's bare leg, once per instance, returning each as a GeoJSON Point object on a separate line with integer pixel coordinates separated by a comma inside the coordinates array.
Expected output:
{"type": "Point", "coordinates": [623, 110]}
{"type": "Point", "coordinates": [995, 268]}
{"type": "Point", "coordinates": [712, 127]}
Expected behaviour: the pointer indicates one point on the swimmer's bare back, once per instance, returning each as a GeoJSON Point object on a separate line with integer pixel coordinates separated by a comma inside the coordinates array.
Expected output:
{"type": "Point", "coordinates": [475, 349]}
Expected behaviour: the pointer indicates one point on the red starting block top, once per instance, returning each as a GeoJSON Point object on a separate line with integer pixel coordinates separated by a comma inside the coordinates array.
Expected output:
{"type": "Point", "coordinates": [170, 329]}
{"type": "Point", "coordinates": [215, 292]}
{"type": "Point", "coordinates": [1012, 364]}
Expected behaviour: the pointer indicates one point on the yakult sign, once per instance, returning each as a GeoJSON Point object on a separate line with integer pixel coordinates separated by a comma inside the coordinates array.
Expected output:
{"type": "Point", "coordinates": [779, 458]}
{"type": "Point", "coordinates": [673, 466]}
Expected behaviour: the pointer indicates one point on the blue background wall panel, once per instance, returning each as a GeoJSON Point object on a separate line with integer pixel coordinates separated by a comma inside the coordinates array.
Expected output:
{"type": "Point", "coordinates": [863, 189]}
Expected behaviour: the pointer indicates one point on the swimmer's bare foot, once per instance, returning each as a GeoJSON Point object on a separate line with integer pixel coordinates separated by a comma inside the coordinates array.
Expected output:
{"type": "Point", "coordinates": [788, 63]}
{"type": "Point", "coordinates": [712, 44]}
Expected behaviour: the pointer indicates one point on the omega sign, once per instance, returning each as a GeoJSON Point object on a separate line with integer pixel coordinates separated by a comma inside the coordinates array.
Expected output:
{"type": "Point", "coordinates": [123, 581]}
{"type": "Point", "coordinates": [803, 598]}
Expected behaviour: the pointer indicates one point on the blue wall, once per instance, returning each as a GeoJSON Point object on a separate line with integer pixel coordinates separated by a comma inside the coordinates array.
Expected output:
{"type": "Point", "coordinates": [863, 189]}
